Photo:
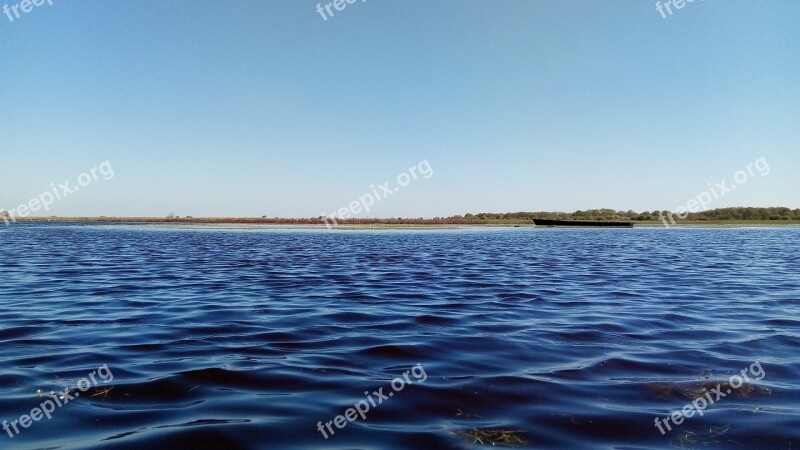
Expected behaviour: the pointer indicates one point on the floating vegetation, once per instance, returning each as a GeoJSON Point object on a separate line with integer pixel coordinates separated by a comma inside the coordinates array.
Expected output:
{"type": "Point", "coordinates": [467, 415]}
{"type": "Point", "coordinates": [664, 390]}
{"type": "Point", "coordinates": [73, 392]}
{"type": "Point", "coordinates": [713, 436]}
{"type": "Point", "coordinates": [103, 392]}
{"type": "Point", "coordinates": [744, 391]}
{"type": "Point", "coordinates": [692, 391]}
{"type": "Point", "coordinates": [493, 436]}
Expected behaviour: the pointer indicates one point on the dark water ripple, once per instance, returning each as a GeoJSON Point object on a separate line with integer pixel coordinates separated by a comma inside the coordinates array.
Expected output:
{"type": "Point", "coordinates": [222, 338]}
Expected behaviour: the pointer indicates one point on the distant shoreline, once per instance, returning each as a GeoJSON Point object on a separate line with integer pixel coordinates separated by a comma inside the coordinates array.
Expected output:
{"type": "Point", "coordinates": [377, 223]}
{"type": "Point", "coordinates": [739, 216]}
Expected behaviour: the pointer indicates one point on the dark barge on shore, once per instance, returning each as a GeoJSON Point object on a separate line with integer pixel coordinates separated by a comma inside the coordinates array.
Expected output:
{"type": "Point", "coordinates": [581, 223]}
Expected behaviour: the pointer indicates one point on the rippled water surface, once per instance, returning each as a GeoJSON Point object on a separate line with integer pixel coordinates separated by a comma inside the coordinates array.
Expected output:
{"type": "Point", "coordinates": [534, 338]}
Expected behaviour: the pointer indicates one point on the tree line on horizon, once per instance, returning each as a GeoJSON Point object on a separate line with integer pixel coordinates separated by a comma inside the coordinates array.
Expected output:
{"type": "Point", "coordinates": [736, 213]}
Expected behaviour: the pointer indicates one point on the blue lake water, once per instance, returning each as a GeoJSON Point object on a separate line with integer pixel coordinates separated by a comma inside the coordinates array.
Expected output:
{"type": "Point", "coordinates": [230, 338]}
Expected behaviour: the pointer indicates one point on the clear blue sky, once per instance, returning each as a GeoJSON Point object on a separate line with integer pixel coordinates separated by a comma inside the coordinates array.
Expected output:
{"type": "Point", "coordinates": [261, 107]}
